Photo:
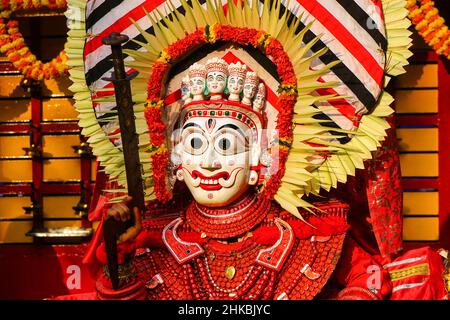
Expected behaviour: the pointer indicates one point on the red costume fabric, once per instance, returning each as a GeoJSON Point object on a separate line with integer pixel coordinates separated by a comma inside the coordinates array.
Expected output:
{"type": "Point", "coordinates": [385, 195]}
{"type": "Point", "coordinates": [375, 197]}
{"type": "Point", "coordinates": [359, 269]}
{"type": "Point", "coordinates": [417, 274]}
{"type": "Point", "coordinates": [281, 258]}
{"type": "Point", "coordinates": [326, 260]}
{"type": "Point", "coordinates": [321, 262]}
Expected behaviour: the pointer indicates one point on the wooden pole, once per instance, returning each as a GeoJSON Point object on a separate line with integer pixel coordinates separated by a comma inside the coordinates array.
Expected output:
{"type": "Point", "coordinates": [130, 141]}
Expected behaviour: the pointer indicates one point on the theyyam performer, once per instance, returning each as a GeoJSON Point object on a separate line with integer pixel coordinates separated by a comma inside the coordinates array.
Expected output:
{"type": "Point", "coordinates": [241, 152]}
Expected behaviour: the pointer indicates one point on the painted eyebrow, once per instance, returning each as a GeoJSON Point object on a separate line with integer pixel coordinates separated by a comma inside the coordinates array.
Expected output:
{"type": "Point", "coordinates": [232, 126]}
{"type": "Point", "coordinates": [191, 124]}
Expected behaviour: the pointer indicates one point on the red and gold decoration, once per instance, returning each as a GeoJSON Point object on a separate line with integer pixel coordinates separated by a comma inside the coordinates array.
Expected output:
{"type": "Point", "coordinates": [13, 46]}
{"type": "Point", "coordinates": [283, 258]}
{"type": "Point", "coordinates": [430, 25]}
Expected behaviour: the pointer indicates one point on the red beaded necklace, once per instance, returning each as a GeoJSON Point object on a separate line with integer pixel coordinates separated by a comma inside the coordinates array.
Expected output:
{"type": "Point", "coordinates": [230, 221]}
{"type": "Point", "coordinates": [257, 284]}
{"type": "Point", "coordinates": [206, 273]}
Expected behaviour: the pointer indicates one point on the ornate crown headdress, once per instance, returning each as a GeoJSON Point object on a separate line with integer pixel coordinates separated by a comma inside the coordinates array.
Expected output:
{"type": "Point", "coordinates": [237, 70]}
{"type": "Point", "coordinates": [236, 110]}
{"type": "Point", "coordinates": [251, 77]}
{"type": "Point", "coordinates": [216, 65]}
{"type": "Point", "coordinates": [197, 70]}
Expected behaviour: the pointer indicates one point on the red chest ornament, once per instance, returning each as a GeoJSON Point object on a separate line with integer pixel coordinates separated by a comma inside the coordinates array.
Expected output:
{"type": "Point", "coordinates": [181, 250]}
{"type": "Point", "coordinates": [228, 222]}
{"type": "Point", "coordinates": [275, 256]}
{"type": "Point", "coordinates": [248, 272]}
{"type": "Point", "coordinates": [279, 258]}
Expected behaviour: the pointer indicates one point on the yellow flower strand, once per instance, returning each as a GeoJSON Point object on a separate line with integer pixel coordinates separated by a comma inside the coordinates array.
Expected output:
{"type": "Point", "coordinates": [430, 25]}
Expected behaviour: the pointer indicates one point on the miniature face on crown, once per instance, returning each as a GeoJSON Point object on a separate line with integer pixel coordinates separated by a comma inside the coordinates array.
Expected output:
{"type": "Point", "coordinates": [197, 79]}
{"type": "Point", "coordinates": [217, 158]}
{"type": "Point", "coordinates": [236, 79]}
{"type": "Point", "coordinates": [250, 87]}
{"type": "Point", "coordinates": [259, 101]}
{"type": "Point", "coordinates": [217, 72]}
{"type": "Point", "coordinates": [185, 91]}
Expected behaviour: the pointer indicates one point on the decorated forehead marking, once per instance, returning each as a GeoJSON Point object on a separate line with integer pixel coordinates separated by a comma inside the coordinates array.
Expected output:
{"type": "Point", "coordinates": [229, 113]}
{"type": "Point", "coordinates": [210, 124]}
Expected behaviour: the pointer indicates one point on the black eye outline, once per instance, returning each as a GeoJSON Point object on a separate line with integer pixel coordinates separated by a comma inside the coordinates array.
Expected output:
{"type": "Point", "coordinates": [237, 145]}
{"type": "Point", "coordinates": [225, 146]}
{"type": "Point", "coordinates": [196, 143]}
{"type": "Point", "coordinates": [188, 136]}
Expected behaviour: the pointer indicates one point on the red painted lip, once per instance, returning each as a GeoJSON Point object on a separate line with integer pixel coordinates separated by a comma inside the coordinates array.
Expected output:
{"type": "Point", "coordinates": [210, 187]}
{"type": "Point", "coordinates": [197, 174]}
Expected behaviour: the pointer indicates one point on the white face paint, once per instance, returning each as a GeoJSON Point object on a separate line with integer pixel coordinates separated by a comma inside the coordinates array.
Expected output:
{"type": "Point", "coordinates": [216, 157]}
{"type": "Point", "coordinates": [235, 86]}
{"type": "Point", "coordinates": [259, 101]}
{"type": "Point", "coordinates": [185, 92]}
{"type": "Point", "coordinates": [216, 82]}
{"type": "Point", "coordinates": [196, 86]}
{"type": "Point", "coordinates": [250, 89]}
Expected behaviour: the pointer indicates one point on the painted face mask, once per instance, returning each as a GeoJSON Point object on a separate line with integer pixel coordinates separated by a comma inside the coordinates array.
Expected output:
{"type": "Point", "coordinates": [217, 73]}
{"type": "Point", "coordinates": [197, 77]}
{"type": "Point", "coordinates": [250, 87]}
{"type": "Point", "coordinates": [185, 91]}
{"type": "Point", "coordinates": [259, 102]}
{"type": "Point", "coordinates": [236, 79]}
{"type": "Point", "coordinates": [219, 151]}
{"type": "Point", "coordinates": [197, 85]}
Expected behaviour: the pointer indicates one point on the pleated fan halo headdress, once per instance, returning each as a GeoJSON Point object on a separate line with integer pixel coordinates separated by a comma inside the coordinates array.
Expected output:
{"type": "Point", "coordinates": [311, 153]}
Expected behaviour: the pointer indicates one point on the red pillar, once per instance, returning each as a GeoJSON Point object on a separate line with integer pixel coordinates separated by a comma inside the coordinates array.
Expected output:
{"type": "Point", "coordinates": [444, 151]}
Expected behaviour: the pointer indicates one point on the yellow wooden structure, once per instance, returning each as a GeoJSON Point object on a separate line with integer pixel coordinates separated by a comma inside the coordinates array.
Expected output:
{"type": "Point", "coordinates": [416, 94]}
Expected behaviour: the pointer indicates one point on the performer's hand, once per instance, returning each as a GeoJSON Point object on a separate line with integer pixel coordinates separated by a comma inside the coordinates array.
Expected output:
{"type": "Point", "coordinates": [121, 212]}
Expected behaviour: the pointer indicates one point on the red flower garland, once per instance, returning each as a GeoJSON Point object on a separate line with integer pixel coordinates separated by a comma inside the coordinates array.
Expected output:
{"type": "Point", "coordinates": [159, 72]}
{"type": "Point", "coordinates": [210, 34]}
{"type": "Point", "coordinates": [281, 60]}
{"type": "Point", "coordinates": [190, 42]}
{"type": "Point", "coordinates": [159, 176]}
{"type": "Point", "coordinates": [153, 115]}
{"type": "Point", "coordinates": [242, 36]}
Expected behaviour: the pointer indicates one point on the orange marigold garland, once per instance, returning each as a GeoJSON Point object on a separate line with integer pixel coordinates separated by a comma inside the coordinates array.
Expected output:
{"type": "Point", "coordinates": [9, 6]}
{"type": "Point", "coordinates": [211, 34]}
{"type": "Point", "coordinates": [430, 25]}
{"type": "Point", "coordinates": [12, 43]}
